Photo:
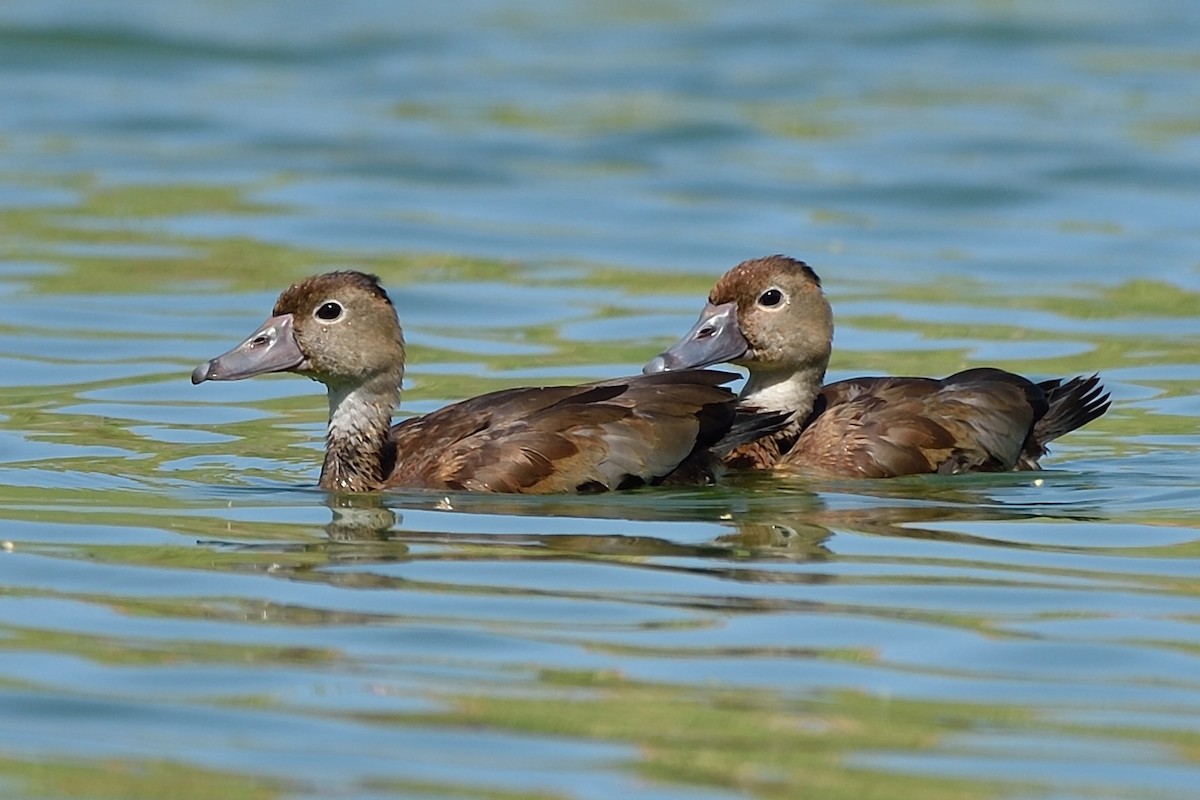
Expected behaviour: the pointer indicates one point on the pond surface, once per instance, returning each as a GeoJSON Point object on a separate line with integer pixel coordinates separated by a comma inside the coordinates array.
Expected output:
{"type": "Point", "coordinates": [549, 189]}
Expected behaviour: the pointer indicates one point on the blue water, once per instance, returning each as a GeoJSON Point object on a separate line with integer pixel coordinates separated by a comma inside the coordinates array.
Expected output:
{"type": "Point", "coordinates": [548, 190]}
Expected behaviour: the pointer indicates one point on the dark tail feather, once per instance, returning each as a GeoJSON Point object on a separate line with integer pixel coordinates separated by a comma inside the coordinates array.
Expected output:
{"type": "Point", "coordinates": [748, 425]}
{"type": "Point", "coordinates": [1073, 404]}
{"type": "Point", "coordinates": [704, 464]}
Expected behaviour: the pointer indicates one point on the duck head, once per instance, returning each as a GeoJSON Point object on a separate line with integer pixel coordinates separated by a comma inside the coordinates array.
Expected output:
{"type": "Point", "coordinates": [339, 328]}
{"type": "Point", "coordinates": [767, 314]}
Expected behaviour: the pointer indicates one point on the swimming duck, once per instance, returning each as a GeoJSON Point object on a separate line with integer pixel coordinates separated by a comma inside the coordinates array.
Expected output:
{"type": "Point", "coordinates": [771, 316]}
{"type": "Point", "coordinates": [341, 329]}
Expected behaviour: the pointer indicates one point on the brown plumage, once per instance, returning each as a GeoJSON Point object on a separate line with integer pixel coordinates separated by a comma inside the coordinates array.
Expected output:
{"type": "Point", "coordinates": [341, 329]}
{"type": "Point", "coordinates": [771, 316]}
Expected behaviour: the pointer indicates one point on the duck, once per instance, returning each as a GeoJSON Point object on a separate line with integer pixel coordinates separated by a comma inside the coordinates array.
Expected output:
{"type": "Point", "coordinates": [770, 315]}
{"type": "Point", "coordinates": [341, 329]}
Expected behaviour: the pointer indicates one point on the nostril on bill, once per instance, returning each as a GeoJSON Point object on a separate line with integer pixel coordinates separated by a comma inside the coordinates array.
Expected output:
{"type": "Point", "coordinates": [657, 364]}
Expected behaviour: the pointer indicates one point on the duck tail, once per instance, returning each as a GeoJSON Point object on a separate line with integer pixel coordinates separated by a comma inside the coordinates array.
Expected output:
{"type": "Point", "coordinates": [1072, 404]}
{"type": "Point", "coordinates": [750, 424]}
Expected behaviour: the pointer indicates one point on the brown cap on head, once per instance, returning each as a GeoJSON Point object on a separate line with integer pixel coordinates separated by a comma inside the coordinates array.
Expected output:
{"type": "Point", "coordinates": [741, 284]}
{"type": "Point", "coordinates": [301, 298]}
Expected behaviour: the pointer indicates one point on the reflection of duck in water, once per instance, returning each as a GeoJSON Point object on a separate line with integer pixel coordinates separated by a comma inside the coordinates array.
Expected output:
{"type": "Point", "coordinates": [341, 329]}
{"type": "Point", "coordinates": [788, 525]}
{"type": "Point", "coordinates": [770, 315]}
{"type": "Point", "coordinates": [360, 518]}
{"type": "Point", "coordinates": [759, 519]}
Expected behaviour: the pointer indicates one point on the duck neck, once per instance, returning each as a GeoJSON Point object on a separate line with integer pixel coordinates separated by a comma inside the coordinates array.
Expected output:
{"type": "Point", "coordinates": [360, 420]}
{"type": "Point", "coordinates": [788, 391]}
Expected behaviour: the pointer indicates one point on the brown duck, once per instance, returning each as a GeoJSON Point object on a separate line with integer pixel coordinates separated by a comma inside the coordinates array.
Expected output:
{"type": "Point", "coordinates": [770, 315]}
{"type": "Point", "coordinates": [341, 329]}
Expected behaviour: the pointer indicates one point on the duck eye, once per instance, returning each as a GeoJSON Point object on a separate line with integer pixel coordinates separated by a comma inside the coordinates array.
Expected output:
{"type": "Point", "coordinates": [770, 298]}
{"type": "Point", "coordinates": [329, 311]}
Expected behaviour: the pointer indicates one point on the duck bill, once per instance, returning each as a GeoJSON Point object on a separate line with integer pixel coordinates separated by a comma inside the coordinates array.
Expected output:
{"type": "Point", "coordinates": [714, 339]}
{"type": "Point", "coordinates": [271, 348]}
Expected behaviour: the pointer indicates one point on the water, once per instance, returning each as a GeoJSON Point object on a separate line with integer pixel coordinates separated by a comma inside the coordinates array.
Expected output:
{"type": "Point", "coordinates": [549, 189]}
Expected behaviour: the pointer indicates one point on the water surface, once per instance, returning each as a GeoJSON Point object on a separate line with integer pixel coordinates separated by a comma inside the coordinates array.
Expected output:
{"type": "Point", "coordinates": [549, 190]}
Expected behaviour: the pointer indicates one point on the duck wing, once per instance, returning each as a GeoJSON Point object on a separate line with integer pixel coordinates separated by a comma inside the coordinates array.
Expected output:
{"type": "Point", "coordinates": [976, 420]}
{"type": "Point", "coordinates": [593, 437]}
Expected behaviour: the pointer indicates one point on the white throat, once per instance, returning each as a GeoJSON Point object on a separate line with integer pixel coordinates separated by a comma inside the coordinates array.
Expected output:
{"type": "Point", "coordinates": [784, 391]}
{"type": "Point", "coordinates": [356, 410]}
